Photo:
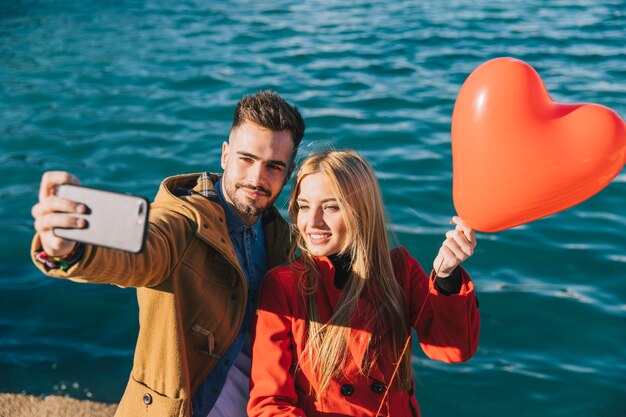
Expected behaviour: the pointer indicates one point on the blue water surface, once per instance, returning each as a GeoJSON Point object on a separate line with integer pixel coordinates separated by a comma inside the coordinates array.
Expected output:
{"type": "Point", "coordinates": [123, 93]}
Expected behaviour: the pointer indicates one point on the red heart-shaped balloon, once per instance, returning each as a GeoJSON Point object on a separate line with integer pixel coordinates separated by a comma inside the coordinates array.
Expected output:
{"type": "Point", "coordinates": [519, 156]}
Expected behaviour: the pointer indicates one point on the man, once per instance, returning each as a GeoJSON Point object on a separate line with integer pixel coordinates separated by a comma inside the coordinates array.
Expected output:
{"type": "Point", "coordinates": [210, 241]}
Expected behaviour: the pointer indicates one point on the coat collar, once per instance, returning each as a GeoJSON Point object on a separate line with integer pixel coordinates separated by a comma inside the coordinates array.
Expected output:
{"type": "Point", "coordinates": [200, 203]}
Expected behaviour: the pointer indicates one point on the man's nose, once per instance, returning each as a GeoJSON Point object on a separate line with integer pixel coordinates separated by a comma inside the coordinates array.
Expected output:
{"type": "Point", "coordinates": [256, 175]}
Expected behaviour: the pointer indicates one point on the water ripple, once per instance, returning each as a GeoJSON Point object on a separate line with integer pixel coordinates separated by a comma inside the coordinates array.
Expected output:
{"type": "Point", "coordinates": [125, 93]}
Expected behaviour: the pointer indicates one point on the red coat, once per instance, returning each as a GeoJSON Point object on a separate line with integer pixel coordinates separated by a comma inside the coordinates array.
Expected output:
{"type": "Point", "coordinates": [447, 330]}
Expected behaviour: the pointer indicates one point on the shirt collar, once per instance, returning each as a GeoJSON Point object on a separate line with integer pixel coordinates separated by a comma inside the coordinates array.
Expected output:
{"type": "Point", "coordinates": [234, 223]}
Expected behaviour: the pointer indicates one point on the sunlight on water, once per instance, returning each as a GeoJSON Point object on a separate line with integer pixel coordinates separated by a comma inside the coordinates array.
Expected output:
{"type": "Point", "coordinates": [126, 93]}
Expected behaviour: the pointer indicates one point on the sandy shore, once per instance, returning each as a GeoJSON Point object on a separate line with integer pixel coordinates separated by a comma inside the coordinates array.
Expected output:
{"type": "Point", "coordinates": [19, 405]}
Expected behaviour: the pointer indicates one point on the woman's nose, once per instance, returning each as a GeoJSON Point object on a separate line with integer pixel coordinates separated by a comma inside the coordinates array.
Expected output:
{"type": "Point", "coordinates": [317, 217]}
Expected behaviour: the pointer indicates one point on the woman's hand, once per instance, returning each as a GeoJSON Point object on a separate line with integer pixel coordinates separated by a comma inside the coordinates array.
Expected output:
{"type": "Point", "coordinates": [458, 246]}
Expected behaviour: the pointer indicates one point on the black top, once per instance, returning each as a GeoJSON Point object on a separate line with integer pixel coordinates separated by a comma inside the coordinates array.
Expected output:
{"type": "Point", "coordinates": [342, 264]}
{"type": "Point", "coordinates": [446, 286]}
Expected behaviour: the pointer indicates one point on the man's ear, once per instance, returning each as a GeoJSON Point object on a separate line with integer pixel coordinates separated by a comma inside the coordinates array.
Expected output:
{"type": "Point", "coordinates": [225, 150]}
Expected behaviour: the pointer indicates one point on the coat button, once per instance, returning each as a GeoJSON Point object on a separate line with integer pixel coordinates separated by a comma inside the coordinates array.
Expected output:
{"type": "Point", "coordinates": [147, 399]}
{"type": "Point", "coordinates": [347, 390]}
{"type": "Point", "coordinates": [378, 387]}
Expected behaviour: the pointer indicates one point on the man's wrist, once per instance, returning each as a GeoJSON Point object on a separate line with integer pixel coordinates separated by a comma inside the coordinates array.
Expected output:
{"type": "Point", "coordinates": [64, 253]}
{"type": "Point", "coordinates": [61, 262]}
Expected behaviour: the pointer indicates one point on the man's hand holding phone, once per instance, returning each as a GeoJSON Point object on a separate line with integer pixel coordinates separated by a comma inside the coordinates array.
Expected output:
{"type": "Point", "coordinates": [68, 213]}
{"type": "Point", "coordinates": [48, 213]}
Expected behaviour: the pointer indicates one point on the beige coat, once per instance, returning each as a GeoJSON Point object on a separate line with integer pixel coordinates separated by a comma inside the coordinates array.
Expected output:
{"type": "Point", "coordinates": [191, 293]}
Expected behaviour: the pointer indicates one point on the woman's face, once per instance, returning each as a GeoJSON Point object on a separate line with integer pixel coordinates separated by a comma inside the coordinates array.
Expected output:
{"type": "Point", "coordinates": [320, 220]}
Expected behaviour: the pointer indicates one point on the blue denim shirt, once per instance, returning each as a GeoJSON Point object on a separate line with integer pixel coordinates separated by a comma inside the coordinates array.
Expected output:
{"type": "Point", "coordinates": [249, 243]}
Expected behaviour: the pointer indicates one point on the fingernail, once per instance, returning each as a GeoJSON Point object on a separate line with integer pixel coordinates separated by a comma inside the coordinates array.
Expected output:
{"type": "Point", "coordinates": [82, 209]}
{"type": "Point", "coordinates": [80, 223]}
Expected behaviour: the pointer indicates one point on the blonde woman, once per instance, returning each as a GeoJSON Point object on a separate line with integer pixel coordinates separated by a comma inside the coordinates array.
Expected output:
{"type": "Point", "coordinates": [332, 325]}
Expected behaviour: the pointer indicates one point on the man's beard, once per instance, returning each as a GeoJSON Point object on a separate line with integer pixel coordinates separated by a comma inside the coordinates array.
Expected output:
{"type": "Point", "coordinates": [242, 204]}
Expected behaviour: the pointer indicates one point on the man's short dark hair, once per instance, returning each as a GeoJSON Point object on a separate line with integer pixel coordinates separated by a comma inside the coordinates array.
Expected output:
{"type": "Point", "coordinates": [269, 110]}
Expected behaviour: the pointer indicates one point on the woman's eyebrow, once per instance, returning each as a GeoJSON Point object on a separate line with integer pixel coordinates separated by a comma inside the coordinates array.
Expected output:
{"type": "Point", "coordinates": [326, 200]}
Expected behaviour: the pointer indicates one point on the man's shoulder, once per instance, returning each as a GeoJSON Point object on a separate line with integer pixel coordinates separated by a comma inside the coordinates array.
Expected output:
{"type": "Point", "coordinates": [187, 184]}
{"type": "Point", "coordinates": [180, 195]}
{"type": "Point", "coordinates": [178, 189]}
{"type": "Point", "coordinates": [277, 230]}
{"type": "Point", "coordinates": [272, 215]}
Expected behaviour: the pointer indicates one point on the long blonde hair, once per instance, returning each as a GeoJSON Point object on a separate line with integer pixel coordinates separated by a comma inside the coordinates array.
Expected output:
{"type": "Point", "coordinates": [371, 273]}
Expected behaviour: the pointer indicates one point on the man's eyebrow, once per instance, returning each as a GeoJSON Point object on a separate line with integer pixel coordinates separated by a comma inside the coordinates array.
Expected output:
{"type": "Point", "coordinates": [256, 158]}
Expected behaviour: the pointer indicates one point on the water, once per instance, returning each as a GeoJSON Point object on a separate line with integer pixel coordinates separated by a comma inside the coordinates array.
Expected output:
{"type": "Point", "coordinates": [124, 93]}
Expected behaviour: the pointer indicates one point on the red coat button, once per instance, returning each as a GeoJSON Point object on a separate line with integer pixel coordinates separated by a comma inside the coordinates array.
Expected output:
{"type": "Point", "coordinates": [347, 390]}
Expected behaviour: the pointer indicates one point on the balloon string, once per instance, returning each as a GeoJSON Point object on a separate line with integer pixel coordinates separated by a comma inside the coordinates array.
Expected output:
{"type": "Point", "coordinates": [431, 284]}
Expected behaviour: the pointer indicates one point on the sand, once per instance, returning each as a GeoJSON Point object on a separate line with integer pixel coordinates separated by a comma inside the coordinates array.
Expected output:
{"type": "Point", "coordinates": [20, 405]}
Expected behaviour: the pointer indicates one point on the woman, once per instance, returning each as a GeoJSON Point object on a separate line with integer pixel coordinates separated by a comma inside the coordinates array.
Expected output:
{"type": "Point", "coordinates": [332, 325]}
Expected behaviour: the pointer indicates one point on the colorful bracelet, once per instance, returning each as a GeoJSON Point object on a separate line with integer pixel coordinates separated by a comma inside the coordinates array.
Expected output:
{"type": "Point", "coordinates": [61, 262]}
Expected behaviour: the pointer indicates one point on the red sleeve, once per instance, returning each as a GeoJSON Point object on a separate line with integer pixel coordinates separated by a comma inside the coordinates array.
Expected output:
{"type": "Point", "coordinates": [447, 326]}
{"type": "Point", "coordinates": [272, 386]}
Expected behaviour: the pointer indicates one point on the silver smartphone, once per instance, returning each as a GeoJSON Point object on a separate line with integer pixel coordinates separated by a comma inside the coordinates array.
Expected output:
{"type": "Point", "coordinates": [114, 220]}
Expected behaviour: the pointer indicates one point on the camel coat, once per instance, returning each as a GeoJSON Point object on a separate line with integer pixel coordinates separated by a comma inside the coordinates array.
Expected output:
{"type": "Point", "coordinates": [191, 291]}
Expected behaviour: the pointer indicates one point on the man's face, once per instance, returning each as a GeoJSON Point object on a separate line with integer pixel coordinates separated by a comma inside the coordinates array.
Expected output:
{"type": "Point", "coordinates": [255, 163]}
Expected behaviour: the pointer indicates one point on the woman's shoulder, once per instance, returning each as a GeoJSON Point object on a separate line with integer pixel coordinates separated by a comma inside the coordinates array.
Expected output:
{"type": "Point", "coordinates": [400, 255]}
{"type": "Point", "coordinates": [403, 262]}
{"type": "Point", "coordinates": [284, 276]}
{"type": "Point", "coordinates": [280, 291]}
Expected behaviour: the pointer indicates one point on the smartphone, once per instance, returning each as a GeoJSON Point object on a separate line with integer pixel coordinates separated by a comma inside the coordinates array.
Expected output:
{"type": "Point", "coordinates": [114, 220]}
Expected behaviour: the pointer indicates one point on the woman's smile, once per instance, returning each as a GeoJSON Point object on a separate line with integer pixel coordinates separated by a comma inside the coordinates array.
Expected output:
{"type": "Point", "coordinates": [320, 220]}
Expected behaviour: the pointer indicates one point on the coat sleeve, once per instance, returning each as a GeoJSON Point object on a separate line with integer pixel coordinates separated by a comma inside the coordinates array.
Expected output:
{"type": "Point", "coordinates": [167, 237]}
{"type": "Point", "coordinates": [447, 325]}
{"type": "Point", "coordinates": [272, 385]}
